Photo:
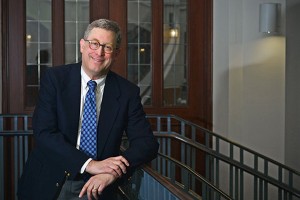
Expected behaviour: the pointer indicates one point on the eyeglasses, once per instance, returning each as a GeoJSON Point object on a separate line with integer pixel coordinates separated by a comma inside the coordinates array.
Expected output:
{"type": "Point", "coordinates": [94, 45]}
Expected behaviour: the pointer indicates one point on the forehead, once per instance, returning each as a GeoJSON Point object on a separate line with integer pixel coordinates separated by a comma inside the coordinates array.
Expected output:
{"type": "Point", "coordinates": [102, 35]}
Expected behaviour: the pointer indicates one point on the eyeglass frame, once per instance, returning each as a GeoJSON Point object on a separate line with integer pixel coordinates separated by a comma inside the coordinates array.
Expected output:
{"type": "Point", "coordinates": [100, 45]}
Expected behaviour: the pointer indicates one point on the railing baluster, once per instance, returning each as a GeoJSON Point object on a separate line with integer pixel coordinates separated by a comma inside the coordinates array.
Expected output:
{"type": "Point", "coordinates": [241, 175]}
{"type": "Point", "coordinates": [216, 162]}
{"type": "Point", "coordinates": [1, 124]}
{"type": "Point", "coordinates": [280, 180]}
{"type": "Point", "coordinates": [1, 163]}
{"type": "Point", "coordinates": [255, 184]}
{"type": "Point", "coordinates": [236, 183]}
{"type": "Point", "coordinates": [217, 182]}
{"type": "Point", "coordinates": [15, 123]}
{"type": "Point", "coordinates": [231, 171]}
{"type": "Point", "coordinates": [158, 121]}
{"type": "Point", "coordinates": [266, 173]}
{"type": "Point", "coordinates": [290, 183]}
{"type": "Point", "coordinates": [15, 164]}
{"type": "Point", "coordinates": [261, 190]}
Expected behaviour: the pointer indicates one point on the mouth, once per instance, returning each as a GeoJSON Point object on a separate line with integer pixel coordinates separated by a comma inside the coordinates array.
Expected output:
{"type": "Point", "coordinates": [98, 60]}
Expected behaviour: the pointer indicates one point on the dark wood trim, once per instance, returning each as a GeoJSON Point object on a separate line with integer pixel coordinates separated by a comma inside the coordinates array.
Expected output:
{"type": "Point", "coordinates": [16, 55]}
{"type": "Point", "coordinates": [4, 48]}
{"type": "Point", "coordinates": [118, 13]}
{"type": "Point", "coordinates": [157, 53]}
{"type": "Point", "coordinates": [199, 57]}
{"type": "Point", "coordinates": [208, 62]}
{"type": "Point", "coordinates": [99, 9]}
{"type": "Point", "coordinates": [58, 32]}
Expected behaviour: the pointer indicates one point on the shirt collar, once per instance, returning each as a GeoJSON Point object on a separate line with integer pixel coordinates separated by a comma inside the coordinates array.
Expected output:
{"type": "Point", "coordinates": [86, 78]}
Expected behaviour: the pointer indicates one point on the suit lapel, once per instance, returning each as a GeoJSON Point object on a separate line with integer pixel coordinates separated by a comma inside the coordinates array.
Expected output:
{"type": "Point", "coordinates": [109, 110]}
{"type": "Point", "coordinates": [71, 96]}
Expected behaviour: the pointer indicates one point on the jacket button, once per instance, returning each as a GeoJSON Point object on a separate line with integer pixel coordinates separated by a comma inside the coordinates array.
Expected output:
{"type": "Point", "coordinates": [67, 174]}
{"type": "Point", "coordinates": [57, 184]}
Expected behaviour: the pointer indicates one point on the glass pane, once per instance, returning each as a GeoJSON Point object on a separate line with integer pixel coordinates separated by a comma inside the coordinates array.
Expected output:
{"type": "Point", "coordinates": [175, 48]}
{"type": "Point", "coordinates": [38, 46]}
{"type": "Point", "coordinates": [70, 54]}
{"type": "Point", "coordinates": [139, 47]}
{"type": "Point", "coordinates": [45, 31]}
{"type": "Point", "coordinates": [45, 9]}
{"type": "Point", "coordinates": [76, 21]}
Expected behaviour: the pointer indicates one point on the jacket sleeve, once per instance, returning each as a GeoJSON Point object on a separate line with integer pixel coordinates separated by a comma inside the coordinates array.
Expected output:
{"type": "Point", "coordinates": [50, 139]}
{"type": "Point", "coordinates": [143, 146]}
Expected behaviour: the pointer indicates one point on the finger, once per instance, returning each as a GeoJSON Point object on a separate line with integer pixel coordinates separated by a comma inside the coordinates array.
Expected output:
{"type": "Point", "coordinates": [121, 158]}
{"type": "Point", "coordinates": [89, 193]}
{"type": "Point", "coordinates": [114, 169]}
{"type": "Point", "coordinates": [83, 190]}
{"type": "Point", "coordinates": [89, 187]}
{"type": "Point", "coordinates": [100, 189]}
{"type": "Point", "coordinates": [122, 167]}
{"type": "Point", "coordinates": [95, 193]}
{"type": "Point", "coordinates": [118, 169]}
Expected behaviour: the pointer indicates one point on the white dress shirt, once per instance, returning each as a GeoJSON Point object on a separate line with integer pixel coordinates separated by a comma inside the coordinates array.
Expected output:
{"type": "Point", "coordinates": [99, 93]}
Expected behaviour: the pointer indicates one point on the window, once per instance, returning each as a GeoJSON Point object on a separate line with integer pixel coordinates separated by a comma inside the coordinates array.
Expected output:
{"type": "Point", "coordinates": [38, 46]}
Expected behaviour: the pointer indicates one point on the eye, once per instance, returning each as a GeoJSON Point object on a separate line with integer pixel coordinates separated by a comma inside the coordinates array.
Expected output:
{"type": "Point", "coordinates": [108, 47]}
{"type": "Point", "coordinates": [94, 44]}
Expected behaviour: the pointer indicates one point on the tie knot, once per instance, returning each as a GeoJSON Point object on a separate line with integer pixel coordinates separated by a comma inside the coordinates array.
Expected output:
{"type": "Point", "coordinates": [92, 85]}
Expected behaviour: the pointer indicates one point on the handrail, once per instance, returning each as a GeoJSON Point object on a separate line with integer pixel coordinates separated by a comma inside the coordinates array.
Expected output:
{"type": "Point", "coordinates": [186, 167]}
{"type": "Point", "coordinates": [245, 167]}
{"type": "Point", "coordinates": [18, 134]}
{"type": "Point", "coordinates": [226, 159]}
{"type": "Point", "coordinates": [225, 139]}
{"type": "Point", "coordinates": [210, 147]}
{"type": "Point", "coordinates": [196, 175]}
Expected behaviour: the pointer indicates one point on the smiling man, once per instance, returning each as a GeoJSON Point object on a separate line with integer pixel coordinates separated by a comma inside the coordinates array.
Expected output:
{"type": "Point", "coordinates": [82, 112]}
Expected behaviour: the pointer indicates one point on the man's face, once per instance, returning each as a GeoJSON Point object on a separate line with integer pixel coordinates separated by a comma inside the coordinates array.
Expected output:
{"type": "Point", "coordinates": [97, 62]}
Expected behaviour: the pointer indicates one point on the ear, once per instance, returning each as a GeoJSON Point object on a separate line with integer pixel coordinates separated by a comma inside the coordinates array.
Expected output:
{"type": "Point", "coordinates": [82, 45]}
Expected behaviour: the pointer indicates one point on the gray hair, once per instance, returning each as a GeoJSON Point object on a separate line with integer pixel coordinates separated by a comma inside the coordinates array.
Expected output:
{"type": "Point", "coordinates": [107, 25]}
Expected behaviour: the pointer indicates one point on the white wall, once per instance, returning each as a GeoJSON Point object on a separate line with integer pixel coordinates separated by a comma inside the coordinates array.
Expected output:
{"type": "Point", "coordinates": [248, 78]}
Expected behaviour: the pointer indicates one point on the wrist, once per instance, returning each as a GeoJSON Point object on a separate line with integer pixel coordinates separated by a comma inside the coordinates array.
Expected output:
{"type": "Point", "coordinates": [89, 166]}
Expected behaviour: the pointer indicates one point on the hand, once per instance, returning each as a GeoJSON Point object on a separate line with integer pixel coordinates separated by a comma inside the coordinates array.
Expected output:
{"type": "Point", "coordinates": [115, 166]}
{"type": "Point", "coordinates": [96, 184]}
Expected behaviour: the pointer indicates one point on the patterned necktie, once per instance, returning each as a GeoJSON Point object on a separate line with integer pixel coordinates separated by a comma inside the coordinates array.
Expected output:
{"type": "Point", "coordinates": [88, 138]}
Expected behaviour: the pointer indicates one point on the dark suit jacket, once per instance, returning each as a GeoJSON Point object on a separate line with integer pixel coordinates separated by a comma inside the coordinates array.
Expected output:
{"type": "Point", "coordinates": [55, 125]}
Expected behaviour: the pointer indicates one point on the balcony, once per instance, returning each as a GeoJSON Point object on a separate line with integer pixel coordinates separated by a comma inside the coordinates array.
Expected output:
{"type": "Point", "coordinates": [193, 163]}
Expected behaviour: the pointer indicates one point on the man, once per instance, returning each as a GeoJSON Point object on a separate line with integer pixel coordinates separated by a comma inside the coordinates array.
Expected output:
{"type": "Point", "coordinates": [61, 166]}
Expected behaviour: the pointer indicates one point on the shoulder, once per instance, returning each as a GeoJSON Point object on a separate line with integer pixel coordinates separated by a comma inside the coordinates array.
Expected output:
{"type": "Point", "coordinates": [63, 71]}
{"type": "Point", "coordinates": [64, 68]}
{"type": "Point", "coordinates": [62, 75]}
{"type": "Point", "coordinates": [120, 81]}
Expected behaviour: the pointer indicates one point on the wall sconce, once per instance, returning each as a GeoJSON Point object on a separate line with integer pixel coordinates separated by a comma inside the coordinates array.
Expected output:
{"type": "Point", "coordinates": [269, 16]}
{"type": "Point", "coordinates": [173, 32]}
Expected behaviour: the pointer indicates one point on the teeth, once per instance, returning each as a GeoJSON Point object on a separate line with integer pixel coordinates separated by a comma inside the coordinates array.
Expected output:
{"type": "Point", "coordinates": [97, 59]}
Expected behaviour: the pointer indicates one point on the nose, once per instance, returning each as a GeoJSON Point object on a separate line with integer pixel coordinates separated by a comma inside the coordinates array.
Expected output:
{"type": "Point", "coordinates": [100, 50]}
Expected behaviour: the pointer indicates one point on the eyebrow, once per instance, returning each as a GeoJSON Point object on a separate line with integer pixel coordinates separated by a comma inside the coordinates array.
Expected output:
{"type": "Point", "coordinates": [100, 42]}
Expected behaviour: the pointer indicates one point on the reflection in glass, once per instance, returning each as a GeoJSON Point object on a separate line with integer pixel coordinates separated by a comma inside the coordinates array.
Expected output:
{"type": "Point", "coordinates": [38, 46]}
{"type": "Point", "coordinates": [139, 47]}
{"type": "Point", "coordinates": [175, 47]}
{"type": "Point", "coordinates": [76, 21]}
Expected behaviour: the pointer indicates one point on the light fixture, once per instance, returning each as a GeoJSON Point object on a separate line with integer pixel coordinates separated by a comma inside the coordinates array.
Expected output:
{"type": "Point", "coordinates": [173, 32]}
{"type": "Point", "coordinates": [269, 16]}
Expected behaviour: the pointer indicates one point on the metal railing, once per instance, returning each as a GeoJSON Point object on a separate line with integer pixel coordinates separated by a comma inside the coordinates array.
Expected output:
{"type": "Point", "coordinates": [15, 134]}
{"type": "Point", "coordinates": [164, 168]}
{"type": "Point", "coordinates": [199, 162]}
{"type": "Point", "coordinates": [239, 171]}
